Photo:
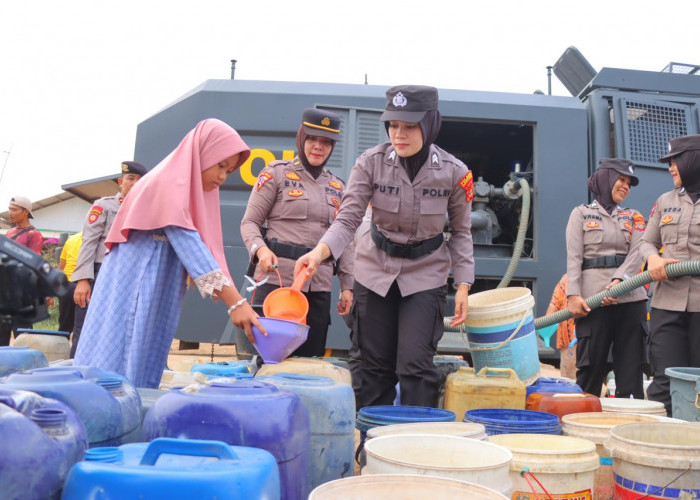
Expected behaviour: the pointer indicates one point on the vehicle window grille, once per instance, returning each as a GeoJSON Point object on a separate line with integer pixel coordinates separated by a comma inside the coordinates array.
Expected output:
{"type": "Point", "coordinates": [650, 127]}
{"type": "Point", "coordinates": [370, 131]}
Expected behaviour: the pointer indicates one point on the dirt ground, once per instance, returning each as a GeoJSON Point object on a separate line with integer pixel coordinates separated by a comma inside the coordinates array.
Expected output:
{"type": "Point", "coordinates": [182, 360]}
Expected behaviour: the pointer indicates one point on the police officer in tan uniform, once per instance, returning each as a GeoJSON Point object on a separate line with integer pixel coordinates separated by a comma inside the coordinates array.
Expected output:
{"type": "Point", "coordinates": [674, 225]}
{"type": "Point", "coordinates": [92, 250]}
{"type": "Point", "coordinates": [602, 249]}
{"type": "Point", "coordinates": [401, 269]}
{"type": "Point", "coordinates": [297, 200]}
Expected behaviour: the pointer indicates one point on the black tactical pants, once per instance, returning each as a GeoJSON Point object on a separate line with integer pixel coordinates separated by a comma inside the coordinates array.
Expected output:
{"type": "Point", "coordinates": [622, 326]}
{"type": "Point", "coordinates": [79, 316]}
{"type": "Point", "coordinates": [66, 310]}
{"type": "Point", "coordinates": [674, 342]}
{"type": "Point", "coordinates": [318, 319]}
{"type": "Point", "coordinates": [398, 337]}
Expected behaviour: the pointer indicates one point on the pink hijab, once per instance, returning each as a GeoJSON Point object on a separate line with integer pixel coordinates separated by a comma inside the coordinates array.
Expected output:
{"type": "Point", "coordinates": [171, 194]}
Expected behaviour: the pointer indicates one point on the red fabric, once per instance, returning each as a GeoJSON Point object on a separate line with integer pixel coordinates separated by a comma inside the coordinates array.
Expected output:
{"type": "Point", "coordinates": [31, 239]}
{"type": "Point", "coordinates": [172, 195]}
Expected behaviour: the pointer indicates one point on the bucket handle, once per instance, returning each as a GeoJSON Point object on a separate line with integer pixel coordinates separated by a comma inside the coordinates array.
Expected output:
{"type": "Point", "coordinates": [512, 335]}
{"type": "Point", "coordinates": [499, 372]}
{"type": "Point", "coordinates": [252, 297]}
{"type": "Point", "coordinates": [191, 447]}
{"type": "Point", "coordinates": [300, 279]}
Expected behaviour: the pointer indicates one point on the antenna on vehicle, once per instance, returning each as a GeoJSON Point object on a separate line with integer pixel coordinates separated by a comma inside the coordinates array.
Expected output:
{"type": "Point", "coordinates": [365, 78]}
{"type": "Point", "coordinates": [574, 71]}
{"type": "Point", "coordinates": [233, 68]}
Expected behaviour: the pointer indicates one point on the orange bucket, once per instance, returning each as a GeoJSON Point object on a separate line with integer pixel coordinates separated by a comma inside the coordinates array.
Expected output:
{"type": "Point", "coordinates": [288, 303]}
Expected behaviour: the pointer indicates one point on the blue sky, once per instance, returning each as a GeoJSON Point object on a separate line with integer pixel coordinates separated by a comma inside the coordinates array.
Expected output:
{"type": "Point", "coordinates": [78, 76]}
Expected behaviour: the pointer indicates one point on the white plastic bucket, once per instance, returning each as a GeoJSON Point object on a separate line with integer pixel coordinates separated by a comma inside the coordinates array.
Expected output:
{"type": "Point", "coordinates": [403, 486]}
{"type": "Point", "coordinates": [501, 331]}
{"type": "Point", "coordinates": [564, 465]}
{"type": "Point", "coordinates": [450, 457]}
{"type": "Point", "coordinates": [659, 460]}
{"type": "Point", "coordinates": [457, 429]}
{"type": "Point", "coordinates": [623, 405]}
{"type": "Point", "coordinates": [596, 426]}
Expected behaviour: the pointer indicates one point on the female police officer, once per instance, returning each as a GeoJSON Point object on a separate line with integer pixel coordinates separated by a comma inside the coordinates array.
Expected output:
{"type": "Point", "coordinates": [602, 243]}
{"type": "Point", "coordinates": [298, 200]}
{"type": "Point", "coordinates": [401, 267]}
{"type": "Point", "coordinates": [674, 224]}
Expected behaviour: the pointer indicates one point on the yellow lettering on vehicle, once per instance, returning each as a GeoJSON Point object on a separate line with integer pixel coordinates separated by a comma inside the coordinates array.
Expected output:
{"type": "Point", "coordinates": [266, 156]}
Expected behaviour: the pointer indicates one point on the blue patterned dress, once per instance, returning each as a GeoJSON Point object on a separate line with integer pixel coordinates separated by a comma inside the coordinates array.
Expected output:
{"type": "Point", "coordinates": [136, 302]}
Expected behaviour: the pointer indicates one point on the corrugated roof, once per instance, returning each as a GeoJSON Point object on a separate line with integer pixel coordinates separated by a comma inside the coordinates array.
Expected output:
{"type": "Point", "coordinates": [92, 189]}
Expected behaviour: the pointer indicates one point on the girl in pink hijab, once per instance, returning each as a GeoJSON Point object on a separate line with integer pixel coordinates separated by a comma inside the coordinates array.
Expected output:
{"type": "Point", "coordinates": [168, 227]}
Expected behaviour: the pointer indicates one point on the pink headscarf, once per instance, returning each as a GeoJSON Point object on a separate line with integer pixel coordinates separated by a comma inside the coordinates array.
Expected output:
{"type": "Point", "coordinates": [171, 194]}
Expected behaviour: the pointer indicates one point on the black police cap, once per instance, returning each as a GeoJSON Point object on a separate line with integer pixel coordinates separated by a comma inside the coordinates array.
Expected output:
{"type": "Point", "coordinates": [621, 166]}
{"type": "Point", "coordinates": [320, 122]}
{"type": "Point", "coordinates": [679, 145]}
{"type": "Point", "coordinates": [409, 103]}
{"type": "Point", "coordinates": [133, 167]}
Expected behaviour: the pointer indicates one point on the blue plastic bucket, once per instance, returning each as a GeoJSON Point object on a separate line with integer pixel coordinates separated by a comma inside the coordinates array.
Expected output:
{"type": "Point", "coordinates": [545, 384]}
{"type": "Point", "coordinates": [372, 416]}
{"type": "Point", "coordinates": [175, 468]}
{"type": "Point", "coordinates": [509, 421]}
{"type": "Point", "coordinates": [501, 331]}
{"type": "Point", "coordinates": [685, 393]}
{"type": "Point", "coordinates": [19, 359]}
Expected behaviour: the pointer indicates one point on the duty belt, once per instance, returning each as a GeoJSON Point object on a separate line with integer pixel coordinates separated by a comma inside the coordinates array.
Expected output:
{"type": "Point", "coordinates": [287, 250]}
{"type": "Point", "coordinates": [604, 261]}
{"type": "Point", "coordinates": [412, 251]}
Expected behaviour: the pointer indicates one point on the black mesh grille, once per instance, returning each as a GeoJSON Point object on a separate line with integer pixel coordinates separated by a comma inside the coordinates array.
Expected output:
{"type": "Point", "coordinates": [650, 128]}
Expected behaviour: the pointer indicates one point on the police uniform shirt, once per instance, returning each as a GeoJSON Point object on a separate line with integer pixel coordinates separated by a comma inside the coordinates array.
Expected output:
{"type": "Point", "coordinates": [593, 232]}
{"type": "Point", "coordinates": [674, 224]}
{"type": "Point", "coordinates": [298, 210]}
{"type": "Point", "coordinates": [95, 229]}
{"type": "Point", "coordinates": [407, 212]}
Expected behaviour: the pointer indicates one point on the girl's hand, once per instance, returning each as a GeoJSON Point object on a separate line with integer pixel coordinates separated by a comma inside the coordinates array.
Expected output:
{"type": "Point", "coordinates": [657, 267]}
{"type": "Point", "coordinates": [266, 259]}
{"type": "Point", "coordinates": [345, 302]}
{"type": "Point", "coordinates": [461, 305]}
{"type": "Point", "coordinates": [577, 306]}
{"type": "Point", "coordinates": [243, 317]}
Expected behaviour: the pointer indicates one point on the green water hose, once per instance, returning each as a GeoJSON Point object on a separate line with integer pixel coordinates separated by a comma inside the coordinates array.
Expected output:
{"type": "Point", "coordinates": [674, 270]}
{"type": "Point", "coordinates": [520, 238]}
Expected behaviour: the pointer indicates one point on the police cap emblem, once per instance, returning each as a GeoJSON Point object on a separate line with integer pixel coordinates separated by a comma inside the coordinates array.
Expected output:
{"type": "Point", "coordinates": [399, 100]}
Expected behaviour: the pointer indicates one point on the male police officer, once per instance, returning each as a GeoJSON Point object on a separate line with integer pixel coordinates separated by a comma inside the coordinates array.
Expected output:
{"type": "Point", "coordinates": [95, 229]}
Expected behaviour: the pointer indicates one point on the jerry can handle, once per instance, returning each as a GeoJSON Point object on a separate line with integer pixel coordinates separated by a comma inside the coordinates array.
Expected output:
{"type": "Point", "coordinates": [191, 447]}
{"type": "Point", "coordinates": [498, 372]}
